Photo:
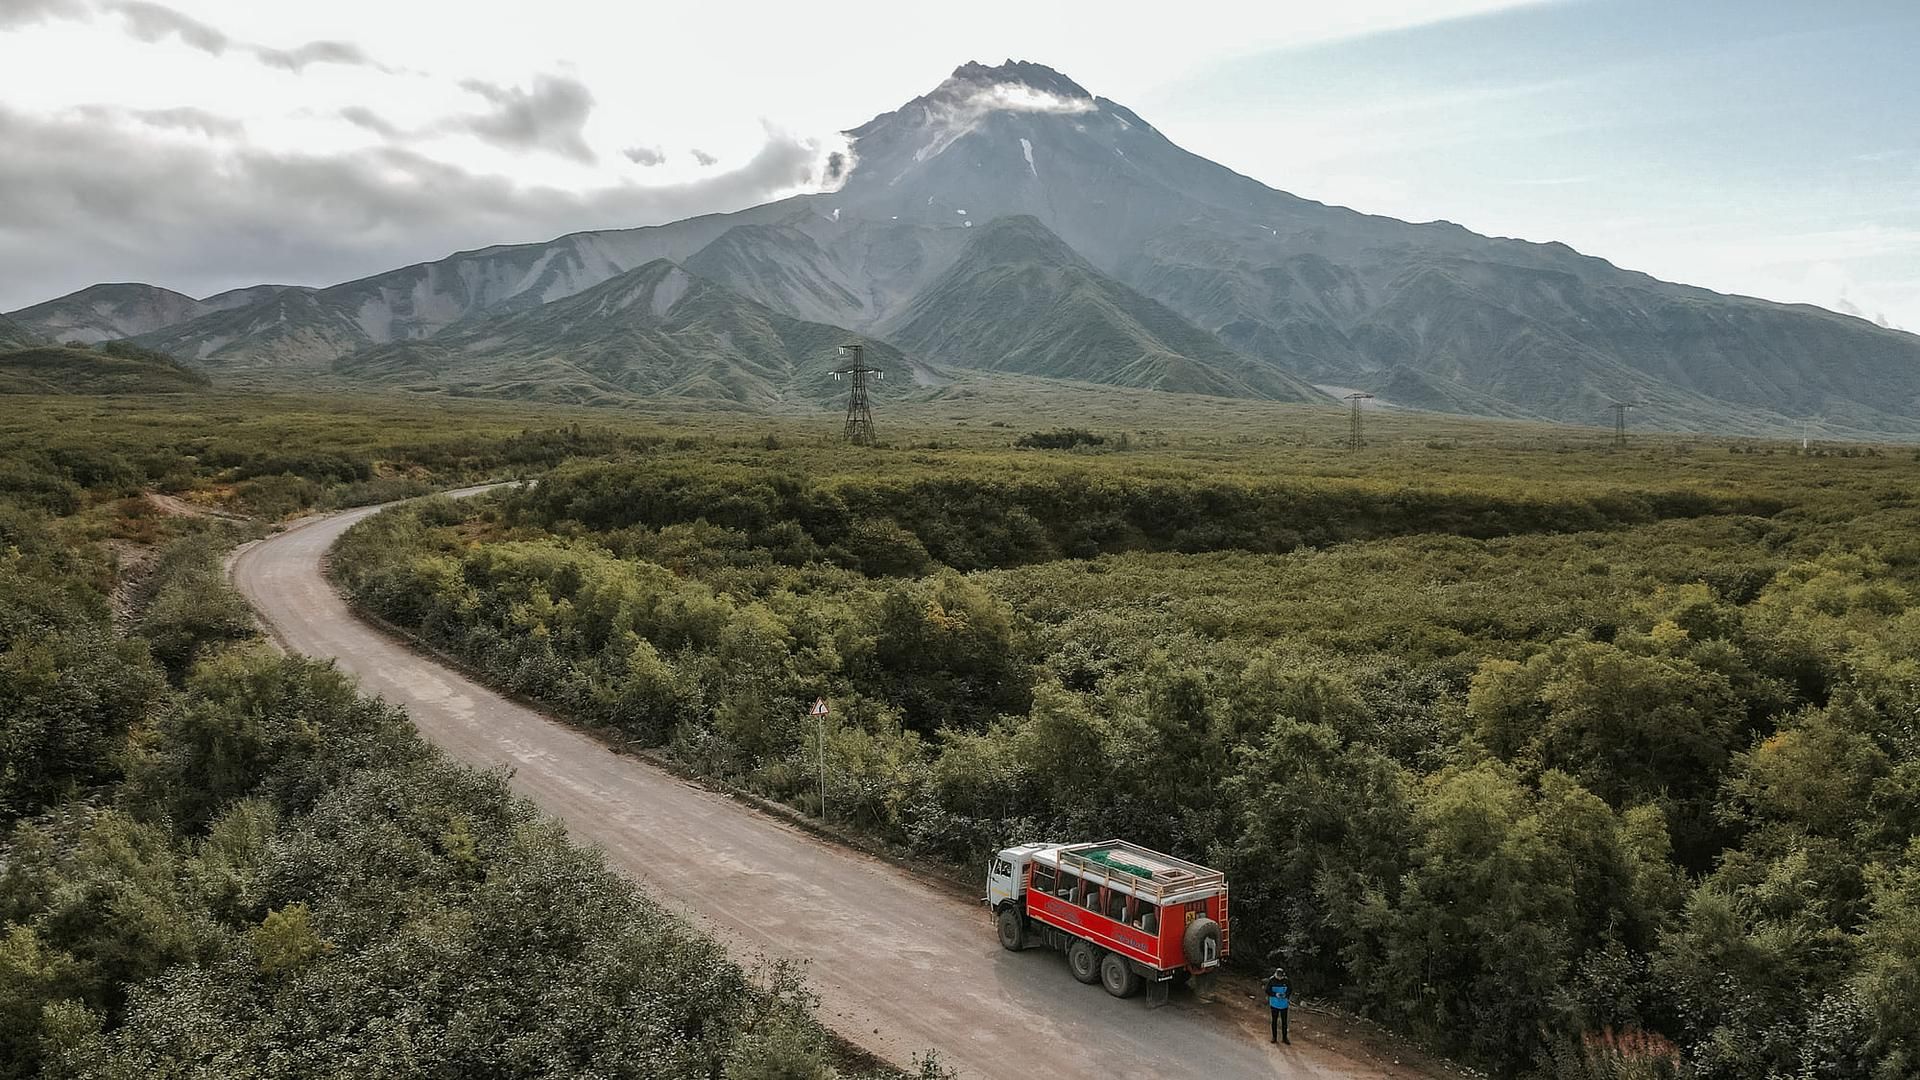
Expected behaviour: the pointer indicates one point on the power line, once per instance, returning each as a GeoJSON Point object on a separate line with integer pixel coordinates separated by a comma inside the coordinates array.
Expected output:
{"type": "Point", "coordinates": [859, 415]}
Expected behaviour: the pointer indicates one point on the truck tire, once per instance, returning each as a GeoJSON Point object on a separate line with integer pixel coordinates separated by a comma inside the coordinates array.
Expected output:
{"type": "Point", "coordinates": [1084, 961]}
{"type": "Point", "coordinates": [1013, 929]}
{"type": "Point", "coordinates": [1201, 943]}
{"type": "Point", "coordinates": [1117, 976]}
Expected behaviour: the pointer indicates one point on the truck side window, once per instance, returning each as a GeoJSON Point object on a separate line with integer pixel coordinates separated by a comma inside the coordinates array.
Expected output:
{"type": "Point", "coordinates": [1042, 878]}
{"type": "Point", "coordinates": [1069, 888]}
{"type": "Point", "coordinates": [1002, 868]}
{"type": "Point", "coordinates": [1148, 919]}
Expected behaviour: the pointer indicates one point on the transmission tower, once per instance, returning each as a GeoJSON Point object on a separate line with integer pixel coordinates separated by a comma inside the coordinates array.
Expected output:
{"type": "Point", "coordinates": [1354, 440]}
{"type": "Point", "coordinates": [859, 416]}
{"type": "Point", "coordinates": [1620, 423]}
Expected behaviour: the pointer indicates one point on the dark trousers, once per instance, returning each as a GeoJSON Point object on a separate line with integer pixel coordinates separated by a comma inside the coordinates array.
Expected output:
{"type": "Point", "coordinates": [1280, 1026]}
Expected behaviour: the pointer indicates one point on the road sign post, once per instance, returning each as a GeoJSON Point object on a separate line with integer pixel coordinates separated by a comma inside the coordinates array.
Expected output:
{"type": "Point", "coordinates": [819, 712]}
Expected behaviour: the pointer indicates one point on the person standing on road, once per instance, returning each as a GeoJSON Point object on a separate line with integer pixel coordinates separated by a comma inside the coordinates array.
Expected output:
{"type": "Point", "coordinates": [1277, 1000]}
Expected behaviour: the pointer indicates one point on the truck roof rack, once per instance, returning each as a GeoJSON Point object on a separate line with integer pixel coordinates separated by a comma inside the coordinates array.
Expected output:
{"type": "Point", "coordinates": [1146, 873]}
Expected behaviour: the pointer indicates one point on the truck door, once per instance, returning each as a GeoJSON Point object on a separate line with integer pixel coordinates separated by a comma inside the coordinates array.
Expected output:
{"type": "Point", "coordinates": [1003, 881]}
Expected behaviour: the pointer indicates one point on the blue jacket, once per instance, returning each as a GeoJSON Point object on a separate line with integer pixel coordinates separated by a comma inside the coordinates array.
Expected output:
{"type": "Point", "coordinates": [1277, 995]}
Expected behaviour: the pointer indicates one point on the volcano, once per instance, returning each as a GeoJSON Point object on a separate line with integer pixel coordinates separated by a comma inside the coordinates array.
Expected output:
{"type": "Point", "coordinates": [1011, 221]}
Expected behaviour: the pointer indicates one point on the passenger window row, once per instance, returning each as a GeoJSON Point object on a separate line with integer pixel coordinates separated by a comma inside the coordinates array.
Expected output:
{"type": "Point", "coordinates": [1114, 904]}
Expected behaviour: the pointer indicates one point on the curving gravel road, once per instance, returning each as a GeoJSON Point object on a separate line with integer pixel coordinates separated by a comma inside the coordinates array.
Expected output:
{"type": "Point", "coordinates": [900, 965]}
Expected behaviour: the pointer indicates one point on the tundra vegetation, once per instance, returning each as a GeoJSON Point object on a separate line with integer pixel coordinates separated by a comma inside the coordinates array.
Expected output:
{"type": "Point", "coordinates": [1568, 762]}
{"type": "Point", "coordinates": [216, 860]}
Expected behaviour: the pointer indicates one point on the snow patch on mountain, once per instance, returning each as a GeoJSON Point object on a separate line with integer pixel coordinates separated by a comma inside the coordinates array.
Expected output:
{"type": "Point", "coordinates": [1026, 147]}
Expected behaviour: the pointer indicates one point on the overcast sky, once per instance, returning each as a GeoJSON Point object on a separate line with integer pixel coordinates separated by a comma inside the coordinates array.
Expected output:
{"type": "Point", "coordinates": [1759, 146]}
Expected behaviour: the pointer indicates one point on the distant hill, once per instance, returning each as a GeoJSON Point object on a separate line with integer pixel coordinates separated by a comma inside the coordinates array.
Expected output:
{"type": "Point", "coordinates": [1020, 300]}
{"type": "Point", "coordinates": [125, 310]}
{"type": "Point", "coordinates": [417, 302]}
{"type": "Point", "coordinates": [1163, 270]}
{"type": "Point", "coordinates": [113, 368]}
{"type": "Point", "coordinates": [653, 332]}
{"type": "Point", "coordinates": [295, 329]}
{"type": "Point", "coordinates": [14, 336]}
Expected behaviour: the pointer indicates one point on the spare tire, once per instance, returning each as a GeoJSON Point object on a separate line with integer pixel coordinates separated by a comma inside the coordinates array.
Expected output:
{"type": "Point", "coordinates": [1201, 943]}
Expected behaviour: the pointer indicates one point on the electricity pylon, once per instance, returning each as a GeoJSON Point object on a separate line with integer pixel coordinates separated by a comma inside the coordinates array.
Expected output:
{"type": "Point", "coordinates": [1620, 423]}
{"type": "Point", "coordinates": [1354, 440]}
{"type": "Point", "coordinates": [859, 415]}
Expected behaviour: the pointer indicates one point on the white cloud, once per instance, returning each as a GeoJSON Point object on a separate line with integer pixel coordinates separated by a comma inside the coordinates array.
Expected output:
{"type": "Point", "coordinates": [243, 96]}
{"type": "Point", "coordinates": [295, 218]}
{"type": "Point", "coordinates": [550, 117]}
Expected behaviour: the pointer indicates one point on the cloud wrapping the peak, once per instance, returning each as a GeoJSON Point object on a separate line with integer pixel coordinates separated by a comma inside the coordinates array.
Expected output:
{"type": "Point", "coordinates": [952, 116]}
{"type": "Point", "coordinates": [1019, 97]}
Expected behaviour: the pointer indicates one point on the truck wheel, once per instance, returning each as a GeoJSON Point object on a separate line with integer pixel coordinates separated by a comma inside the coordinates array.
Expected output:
{"type": "Point", "coordinates": [1117, 976]}
{"type": "Point", "coordinates": [1084, 961]}
{"type": "Point", "coordinates": [1013, 930]}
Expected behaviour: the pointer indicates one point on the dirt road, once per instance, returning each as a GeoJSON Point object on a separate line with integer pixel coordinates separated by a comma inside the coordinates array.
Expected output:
{"type": "Point", "coordinates": [900, 966]}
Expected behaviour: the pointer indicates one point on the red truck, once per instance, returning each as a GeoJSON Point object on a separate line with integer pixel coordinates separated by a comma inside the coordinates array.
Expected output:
{"type": "Point", "coordinates": [1125, 915]}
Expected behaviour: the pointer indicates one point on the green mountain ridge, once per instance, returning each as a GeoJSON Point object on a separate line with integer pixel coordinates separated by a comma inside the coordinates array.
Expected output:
{"type": "Point", "coordinates": [1020, 300]}
{"type": "Point", "coordinates": [15, 336]}
{"type": "Point", "coordinates": [655, 332]}
{"type": "Point", "coordinates": [781, 267]}
{"type": "Point", "coordinates": [114, 368]}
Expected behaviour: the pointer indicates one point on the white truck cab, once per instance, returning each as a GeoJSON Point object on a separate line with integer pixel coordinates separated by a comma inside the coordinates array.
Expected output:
{"type": "Point", "coordinates": [1007, 873]}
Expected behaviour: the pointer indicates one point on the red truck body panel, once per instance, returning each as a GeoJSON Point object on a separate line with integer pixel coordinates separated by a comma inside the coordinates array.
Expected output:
{"type": "Point", "coordinates": [1190, 892]}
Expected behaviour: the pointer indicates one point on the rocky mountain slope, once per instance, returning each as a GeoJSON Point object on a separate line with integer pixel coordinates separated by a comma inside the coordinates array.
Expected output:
{"type": "Point", "coordinates": [110, 312]}
{"type": "Point", "coordinates": [1254, 291]}
{"type": "Point", "coordinates": [653, 332]}
{"type": "Point", "coordinates": [1447, 318]}
{"type": "Point", "coordinates": [1020, 300]}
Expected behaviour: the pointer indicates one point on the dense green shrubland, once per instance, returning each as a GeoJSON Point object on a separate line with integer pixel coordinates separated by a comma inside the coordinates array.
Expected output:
{"type": "Point", "coordinates": [274, 457]}
{"type": "Point", "coordinates": [892, 521]}
{"type": "Point", "coordinates": [1595, 770]}
{"type": "Point", "coordinates": [216, 860]}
